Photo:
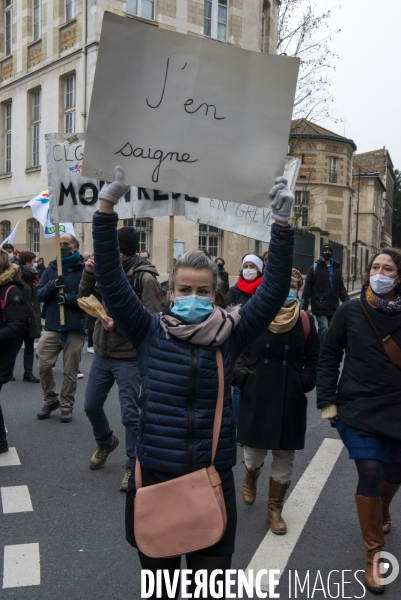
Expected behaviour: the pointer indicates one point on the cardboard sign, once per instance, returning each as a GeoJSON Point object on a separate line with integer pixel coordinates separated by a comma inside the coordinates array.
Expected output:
{"type": "Point", "coordinates": [73, 197]}
{"type": "Point", "coordinates": [188, 114]}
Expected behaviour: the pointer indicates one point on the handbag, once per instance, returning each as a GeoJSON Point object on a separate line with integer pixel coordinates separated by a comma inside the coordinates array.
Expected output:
{"type": "Point", "coordinates": [187, 513]}
{"type": "Point", "coordinates": [389, 345]}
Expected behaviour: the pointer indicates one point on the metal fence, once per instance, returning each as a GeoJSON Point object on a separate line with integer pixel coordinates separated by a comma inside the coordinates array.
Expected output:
{"type": "Point", "coordinates": [304, 250]}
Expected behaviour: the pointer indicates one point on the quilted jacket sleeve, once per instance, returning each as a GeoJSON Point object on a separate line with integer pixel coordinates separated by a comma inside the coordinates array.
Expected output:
{"type": "Point", "coordinates": [123, 305]}
{"type": "Point", "coordinates": [260, 310]}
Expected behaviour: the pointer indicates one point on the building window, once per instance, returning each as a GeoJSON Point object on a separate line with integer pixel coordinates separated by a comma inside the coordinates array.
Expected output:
{"type": "Point", "coordinates": [34, 230]}
{"type": "Point", "coordinates": [35, 128]}
{"type": "Point", "coordinates": [301, 209]}
{"type": "Point", "coordinates": [333, 175]}
{"type": "Point", "coordinates": [303, 159]}
{"type": "Point", "coordinates": [7, 138]}
{"type": "Point", "coordinates": [210, 239]}
{"type": "Point", "coordinates": [266, 27]}
{"type": "Point", "coordinates": [5, 229]}
{"type": "Point", "coordinates": [215, 19]}
{"type": "Point", "coordinates": [69, 10]}
{"type": "Point", "coordinates": [37, 18]}
{"type": "Point", "coordinates": [141, 8]}
{"type": "Point", "coordinates": [144, 229]}
{"type": "Point", "coordinates": [9, 26]}
{"type": "Point", "coordinates": [69, 104]}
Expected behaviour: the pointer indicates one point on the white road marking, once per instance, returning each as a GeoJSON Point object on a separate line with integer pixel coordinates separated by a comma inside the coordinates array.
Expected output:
{"type": "Point", "coordinates": [10, 458]}
{"type": "Point", "coordinates": [275, 550]}
{"type": "Point", "coordinates": [21, 565]}
{"type": "Point", "coordinates": [16, 499]}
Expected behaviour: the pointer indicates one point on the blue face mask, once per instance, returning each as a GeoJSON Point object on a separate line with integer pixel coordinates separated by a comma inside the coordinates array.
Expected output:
{"type": "Point", "coordinates": [292, 296]}
{"type": "Point", "coordinates": [193, 309]}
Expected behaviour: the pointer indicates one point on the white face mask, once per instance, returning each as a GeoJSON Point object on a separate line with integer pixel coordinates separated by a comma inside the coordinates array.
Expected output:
{"type": "Point", "coordinates": [249, 274]}
{"type": "Point", "coordinates": [35, 264]}
{"type": "Point", "coordinates": [10, 255]}
{"type": "Point", "coordinates": [381, 284]}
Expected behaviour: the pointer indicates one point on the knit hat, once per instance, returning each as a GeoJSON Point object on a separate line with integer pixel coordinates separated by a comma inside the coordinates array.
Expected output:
{"type": "Point", "coordinates": [128, 240]}
{"type": "Point", "coordinates": [256, 260]}
{"type": "Point", "coordinates": [328, 248]}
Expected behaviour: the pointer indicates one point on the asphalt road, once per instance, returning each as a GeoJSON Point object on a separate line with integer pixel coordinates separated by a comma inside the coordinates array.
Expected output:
{"type": "Point", "coordinates": [78, 514]}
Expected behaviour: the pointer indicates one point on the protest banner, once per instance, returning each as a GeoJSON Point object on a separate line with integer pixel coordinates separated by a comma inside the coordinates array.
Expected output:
{"type": "Point", "coordinates": [240, 218]}
{"type": "Point", "coordinates": [188, 114]}
{"type": "Point", "coordinates": [11, 237]}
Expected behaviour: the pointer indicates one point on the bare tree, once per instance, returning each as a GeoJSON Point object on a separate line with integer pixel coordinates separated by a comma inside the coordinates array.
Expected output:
{"type": "Point", "coordinates": [305, 33]}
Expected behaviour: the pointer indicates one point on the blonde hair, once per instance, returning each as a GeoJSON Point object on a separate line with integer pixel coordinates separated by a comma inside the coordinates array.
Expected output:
{"type": "Point", "coordinates": [4, 261]}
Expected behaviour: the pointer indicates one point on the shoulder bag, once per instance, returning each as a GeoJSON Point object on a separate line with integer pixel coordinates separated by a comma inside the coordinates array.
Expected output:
{"type": "Point", "coordinates": [389, 345]}
{"type": "Point", "coordinates": [187, 513]}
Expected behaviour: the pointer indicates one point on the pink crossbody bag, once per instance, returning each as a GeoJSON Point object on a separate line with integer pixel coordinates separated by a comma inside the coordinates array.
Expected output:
{"type": "Point", "coordinates": [187, 513]}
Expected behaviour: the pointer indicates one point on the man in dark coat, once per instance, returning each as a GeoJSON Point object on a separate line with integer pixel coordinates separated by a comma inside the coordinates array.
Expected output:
{"type": "Point", "coordinates": [324, 287]}
{"type": "Point", "coordinates": [56, 338]}
{"type": "Point", "coordinates": [115, 357]}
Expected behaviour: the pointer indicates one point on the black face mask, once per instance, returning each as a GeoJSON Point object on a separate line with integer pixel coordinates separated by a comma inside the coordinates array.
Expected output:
{"type": "Point", "coordinates": [66, 250]}
{"type": "Point", "coordinates": [326, 255]}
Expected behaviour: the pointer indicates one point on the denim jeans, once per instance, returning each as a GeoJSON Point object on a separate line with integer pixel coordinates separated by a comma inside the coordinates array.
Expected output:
{"type": "Point", "coordinates": [102, 375]}
{"type": "Point", "coordinates": [323, 322]}
{"type": "Point", "coordinates": [235, 397]}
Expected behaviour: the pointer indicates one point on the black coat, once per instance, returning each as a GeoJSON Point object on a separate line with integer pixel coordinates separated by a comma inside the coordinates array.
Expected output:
{"type": "Point", "coordinates": [272, 410]}
{"type": "Point", "coordinates": [36, 321]}
{"type": "Point", "coordinates": [13, 329]}
{"type": "Point", "coordinates": [224, 281]}
{"type": "Point", "coordinates": [235, 296]}
{"type": "Point", "coordinates": [368, 394]}
{"type": "Point", "coordinates": [324, 298]}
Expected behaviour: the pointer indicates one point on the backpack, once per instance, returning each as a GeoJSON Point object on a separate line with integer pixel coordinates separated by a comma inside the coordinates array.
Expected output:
{"type": "Point", "coordinates": [136, 282]}
{"type": "Point", "coordinates": [28, 311]}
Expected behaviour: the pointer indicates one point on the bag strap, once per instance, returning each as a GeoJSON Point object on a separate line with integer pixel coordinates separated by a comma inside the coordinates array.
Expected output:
{"type": "Point", "coordinates": [305, 324]}
{"type": "Point", "coordinates": [389, 345]}
{"type": "Point", "coordinates": [218, 415]}
{"type": "Point", "coordinates": [4, 301]}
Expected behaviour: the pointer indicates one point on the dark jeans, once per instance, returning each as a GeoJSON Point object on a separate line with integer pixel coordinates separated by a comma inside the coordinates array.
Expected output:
{"type": "Point", "coordinates": [102, 375]}
{"type": "Point", "coordinates": [90, 338]}
{"type": "Point", "coordinates": [235, 397]}
{"type": "Point", "coordinates": [29, 349]}
{"type": "Point", "coordinates": [323, 322]}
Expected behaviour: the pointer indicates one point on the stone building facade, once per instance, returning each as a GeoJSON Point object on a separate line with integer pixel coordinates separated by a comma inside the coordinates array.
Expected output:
{"type": "Point", "coordinates": [323, 194]}
{"type": "Point", "coordinates": [48, 53]}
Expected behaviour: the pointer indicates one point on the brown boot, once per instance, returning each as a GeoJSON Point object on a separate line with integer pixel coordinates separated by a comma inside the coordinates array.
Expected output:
{"type": "Point", "coordinates": [277, 492]}
{"type": "Point", "coordinates": [249, 485]}
{"type": "Point", "coordinates": [371, 523]}
{"type": "Point", "coordinates": [387, 493]}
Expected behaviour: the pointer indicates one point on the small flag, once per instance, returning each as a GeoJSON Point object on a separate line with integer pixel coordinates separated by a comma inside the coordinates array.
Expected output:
{"type": "Point", "coordinates": [11, 237]}
{"type": "Point", "coordinates": [41, 212]}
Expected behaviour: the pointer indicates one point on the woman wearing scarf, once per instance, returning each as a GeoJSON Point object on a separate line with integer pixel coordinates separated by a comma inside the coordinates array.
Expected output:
{"type": "Point", "coordinates": [30, 278]}
{"type": "Point", "coordinates": [12, 327]}
{"type": "Point", "coordinates": [248, 282]}
{"type": "Point", "coordinates": [280, 369]}
{"type": "Point", "coordinates": [177, 362]}
{"type": "Point", "coordinates": [365, 403]}
{"type": "Point", "coordinates": [224, 285]}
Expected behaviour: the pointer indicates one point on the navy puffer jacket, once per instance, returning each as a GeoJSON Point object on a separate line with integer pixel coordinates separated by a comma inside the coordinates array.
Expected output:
{"type": "Point", "coordinates": [179, 379]}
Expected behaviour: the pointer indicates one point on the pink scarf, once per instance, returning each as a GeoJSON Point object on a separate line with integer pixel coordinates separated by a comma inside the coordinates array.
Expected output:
{"type": "Point", "coordinates": [214, 331]}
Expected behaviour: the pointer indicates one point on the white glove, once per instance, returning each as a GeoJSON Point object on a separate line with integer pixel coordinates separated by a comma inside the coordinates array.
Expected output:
{"type": "Point", "coordinates": [112, 192]}
{"type": "Point", "coordinates": [282, 200]}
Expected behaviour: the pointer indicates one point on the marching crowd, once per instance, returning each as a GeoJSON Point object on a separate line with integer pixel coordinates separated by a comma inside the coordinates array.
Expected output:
{"type": "Point", "coordinates": [164, 357]}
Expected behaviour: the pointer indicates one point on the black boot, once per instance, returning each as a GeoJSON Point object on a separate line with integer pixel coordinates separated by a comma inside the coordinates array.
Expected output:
{"type": "Point", "coordinates": [28, 366]}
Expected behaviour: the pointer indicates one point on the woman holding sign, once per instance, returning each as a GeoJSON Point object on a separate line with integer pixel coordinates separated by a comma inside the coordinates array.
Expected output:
{"type": "Point", "coordinates": [186, 357]}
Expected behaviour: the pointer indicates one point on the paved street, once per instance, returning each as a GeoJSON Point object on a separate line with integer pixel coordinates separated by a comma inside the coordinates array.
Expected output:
{"type": "Point", "coordinates": [67, 539]}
